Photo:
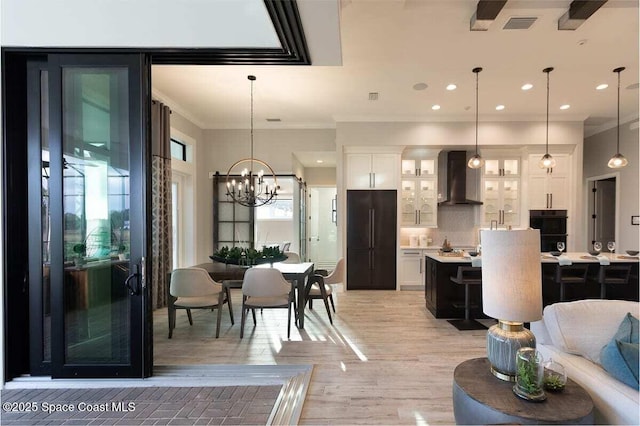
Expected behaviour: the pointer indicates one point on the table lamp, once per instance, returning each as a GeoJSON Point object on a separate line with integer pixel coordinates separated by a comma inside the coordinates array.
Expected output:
{"type": "Point", "coordinates": [511, 293]}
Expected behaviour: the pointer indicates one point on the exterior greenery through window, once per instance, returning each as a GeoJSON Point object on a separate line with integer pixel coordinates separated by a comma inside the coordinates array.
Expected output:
{"type": "Point", "coordinates": [178, 150]}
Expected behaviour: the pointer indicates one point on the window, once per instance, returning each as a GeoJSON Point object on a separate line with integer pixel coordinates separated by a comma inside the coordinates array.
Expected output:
{"type": "Point", "coordinates": [178, 150]}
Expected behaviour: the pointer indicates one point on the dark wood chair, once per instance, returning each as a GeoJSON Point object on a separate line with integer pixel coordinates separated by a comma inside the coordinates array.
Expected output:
{"type": "Point", "coordinates": [611, 275]}
{"type": "Point", "coordinates": [467, 276]}
{"type": "Point", "coordinates": [570, 274]}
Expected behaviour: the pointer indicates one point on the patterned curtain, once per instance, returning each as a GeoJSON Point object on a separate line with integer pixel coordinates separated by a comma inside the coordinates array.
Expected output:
{"type": "Point", "coordinates": [161, 203]}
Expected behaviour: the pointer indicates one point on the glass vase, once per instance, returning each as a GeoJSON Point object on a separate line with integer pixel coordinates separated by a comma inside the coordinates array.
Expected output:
{"type": "Point", "coordinates": [529, 375]}
{"type": "Point", "coordinates": [555, 377]}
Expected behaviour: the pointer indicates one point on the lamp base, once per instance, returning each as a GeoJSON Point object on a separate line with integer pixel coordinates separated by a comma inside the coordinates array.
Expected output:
{"type": "Point", "coordinates": [503, 341]}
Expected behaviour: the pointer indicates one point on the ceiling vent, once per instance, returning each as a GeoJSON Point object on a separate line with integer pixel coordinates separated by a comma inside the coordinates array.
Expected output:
{"type": "Point", "coordinates": [373, 96]}
{"type": "Point", "coordinates": [519, 23]}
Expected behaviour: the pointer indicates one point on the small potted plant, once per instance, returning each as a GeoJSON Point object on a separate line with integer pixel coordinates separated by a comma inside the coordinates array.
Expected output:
{"type": "Point", "coordinates": [80, 251]}
{"type": "Point", "coordinates": [122, 252]}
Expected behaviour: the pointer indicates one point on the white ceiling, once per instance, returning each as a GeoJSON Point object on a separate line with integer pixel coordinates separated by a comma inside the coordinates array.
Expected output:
{"type": "Point", "coordinates": [388, 46]}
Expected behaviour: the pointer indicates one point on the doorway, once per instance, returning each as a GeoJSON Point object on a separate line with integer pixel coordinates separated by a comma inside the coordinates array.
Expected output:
{"type": "Point", "coordinates": [323, 234]}
{"type": "Point", "coordinates": [80, 181]}
{"type": "Point", "coordinates": [602, 207]}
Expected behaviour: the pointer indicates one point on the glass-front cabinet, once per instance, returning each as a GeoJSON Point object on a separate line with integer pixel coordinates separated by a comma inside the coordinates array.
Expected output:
{"type": "Point", "coordinates": [501, 191]}
{"type": "Point", "coordinates": [418, 167]}
{"type": "Point", "coordinates": [502, 167]}
{"type": "Point", "coordinates": [419, 202]}
{"type": "Point", "coordinates": [502, 201]}
{"type": "Point", "coordinates": [419, 187]}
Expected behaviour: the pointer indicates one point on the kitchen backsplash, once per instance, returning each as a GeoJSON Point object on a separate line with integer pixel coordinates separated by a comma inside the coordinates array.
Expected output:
{"type": "Point", "coordinates": [456, 223]}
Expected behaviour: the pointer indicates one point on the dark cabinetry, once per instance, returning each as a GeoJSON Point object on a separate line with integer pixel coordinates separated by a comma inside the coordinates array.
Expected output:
{"type": "Point", "coordinates": [441, 294]}
{"type": "Point", "coordinates": [371, 240]}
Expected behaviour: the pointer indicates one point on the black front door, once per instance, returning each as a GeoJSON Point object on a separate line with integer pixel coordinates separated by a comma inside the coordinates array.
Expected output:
{"type": "Point", "coordinates": [87, 162]}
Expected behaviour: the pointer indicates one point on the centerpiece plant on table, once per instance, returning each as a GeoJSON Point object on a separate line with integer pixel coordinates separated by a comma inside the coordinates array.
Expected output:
{"type": "Point", "coordinates": [248, 256]}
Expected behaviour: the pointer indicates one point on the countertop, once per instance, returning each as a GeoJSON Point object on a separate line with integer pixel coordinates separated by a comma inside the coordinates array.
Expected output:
{"type": "Point", "coordinates": [575, 257]}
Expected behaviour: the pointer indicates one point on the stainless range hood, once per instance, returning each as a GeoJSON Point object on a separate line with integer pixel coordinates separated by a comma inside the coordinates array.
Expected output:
{"type": "Point", "coordinates": [457, 180]}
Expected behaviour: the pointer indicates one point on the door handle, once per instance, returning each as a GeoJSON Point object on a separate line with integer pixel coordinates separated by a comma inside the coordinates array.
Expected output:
{"type": "Point", "coordinates": [420, 266]}
{"type": "Point", "coordinates": [374, 180]}
{"type": "Point", "coordinates": [373, 228]}
{"type": "Point", "coordinates": [127, 283]}
{"type": "Point", "coordinates": [419, 217]}
{"type": "Point", "coordinates": [551, 198]}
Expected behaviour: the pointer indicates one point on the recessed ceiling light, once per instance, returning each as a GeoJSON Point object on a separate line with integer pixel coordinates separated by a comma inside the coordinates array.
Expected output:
{"type": "Point", "coordinates": [420, 86]}
{"type": "Point", "coordinates": [527, 86]}
{"type": "Point", "coordinates": [602, 86]}
{"type": "Point", "coordinates": [499, 107]}
{"type": "Point", "coordinates": [319, 161]}
{"type": "Point", "coordinates": [565, 106]}
{"type": "Point", "coordinates": [451, 86]}
{"type": "Point", "coordinates": [435, 107]}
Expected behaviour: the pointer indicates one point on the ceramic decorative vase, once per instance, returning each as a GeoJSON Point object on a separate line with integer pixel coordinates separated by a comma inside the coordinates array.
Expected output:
{"type": "Point", "coordinates": [555, 377]}
{"type": "Point", "coordinates": [529, 375]}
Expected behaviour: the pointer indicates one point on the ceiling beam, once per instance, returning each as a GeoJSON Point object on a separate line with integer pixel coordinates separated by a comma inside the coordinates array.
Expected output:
{"type": "Point", "coordinates": [579, 11]}
{"type": "Point", "coordinates": [486, 13]}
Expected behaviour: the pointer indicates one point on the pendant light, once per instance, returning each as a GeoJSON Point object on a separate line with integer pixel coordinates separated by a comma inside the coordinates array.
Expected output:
{"type": "Point", "coordinates": [547, 161]}
{"type": "Point", "coordinates": [476, 161]}
{"type": "Point", "coordinates": [250, 189]}
{"type": "Point", "coordinates": [618, 161]}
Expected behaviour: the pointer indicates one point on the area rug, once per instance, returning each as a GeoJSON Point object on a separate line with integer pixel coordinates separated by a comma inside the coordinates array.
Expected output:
{"type": "Point", "coordinates": [223, 405]}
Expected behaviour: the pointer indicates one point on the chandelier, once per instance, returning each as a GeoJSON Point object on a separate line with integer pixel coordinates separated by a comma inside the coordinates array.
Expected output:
{"type": "Point", "coordinates": [250, 188]}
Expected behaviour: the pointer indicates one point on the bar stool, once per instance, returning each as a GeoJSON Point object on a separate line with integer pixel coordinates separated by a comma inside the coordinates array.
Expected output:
{"type": "Point", "coordinates": [612, 274]}
{"type": "Point", "coordinates": [570, 274]}
{"type": "Point", "coordinates": [467, 276]}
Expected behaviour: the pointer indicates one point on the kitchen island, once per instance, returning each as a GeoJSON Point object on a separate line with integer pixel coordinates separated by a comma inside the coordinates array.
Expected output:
{"type": "Point", "coordinates": [441, 294]}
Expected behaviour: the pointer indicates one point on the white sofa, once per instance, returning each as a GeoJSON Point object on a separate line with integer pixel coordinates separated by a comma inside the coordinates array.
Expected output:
{"type": "Point", "coordinates": [573, 333]}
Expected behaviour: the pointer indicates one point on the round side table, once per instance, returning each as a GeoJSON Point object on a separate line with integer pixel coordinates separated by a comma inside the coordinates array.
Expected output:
{"type": "Point", "coordinates": [481, 398]}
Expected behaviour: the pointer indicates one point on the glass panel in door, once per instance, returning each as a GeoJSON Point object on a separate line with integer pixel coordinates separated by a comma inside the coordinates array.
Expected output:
{"type": "Point", "coordinates": [98, 216]}
{"type": "Point", "coordinates": [96, 173]}
{"type": "Point", "coordinates": [409, 202]}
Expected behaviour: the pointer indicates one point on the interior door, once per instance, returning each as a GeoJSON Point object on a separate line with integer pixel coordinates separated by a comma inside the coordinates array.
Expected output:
{"type": "Point", "coordinates": [88, 150]}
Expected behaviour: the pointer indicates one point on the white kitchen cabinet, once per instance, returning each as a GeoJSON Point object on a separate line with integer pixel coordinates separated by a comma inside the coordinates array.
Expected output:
{"type": "Point", "coordinates": [549, 188]}
{"type": "Point", "coordinates": [501, 192]}
{"type": "Point", "coordinates": [501, 201]}
{"type": "Point", "coordinates": [418, 167]}
{"type": "Point", "coordinates": [411, 268]}
{"type": "Point", "coordinates": [419, 202]}
{"type": "Point", "coordinates": [372, 171]}
{"type": "Point", "coordinates": [501, 167]}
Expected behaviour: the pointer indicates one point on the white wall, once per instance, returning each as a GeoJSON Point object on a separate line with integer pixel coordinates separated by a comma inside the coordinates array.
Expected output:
{"type": "Point", "coordinates": [320, 176]}
{"type": "Point", "coordinates": [597, 151]}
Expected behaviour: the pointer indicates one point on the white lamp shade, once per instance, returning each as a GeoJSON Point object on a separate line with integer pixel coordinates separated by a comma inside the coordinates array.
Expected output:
{"type": "Point", "coordinates": [511, 277]}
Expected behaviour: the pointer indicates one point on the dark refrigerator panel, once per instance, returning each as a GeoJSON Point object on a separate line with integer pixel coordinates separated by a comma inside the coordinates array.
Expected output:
{"type": "Point", "coordinates": [371, 240]}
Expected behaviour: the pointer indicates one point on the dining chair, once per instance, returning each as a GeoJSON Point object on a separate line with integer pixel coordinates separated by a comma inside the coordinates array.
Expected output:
{"type": "Point", "coordinates": [292, 257]}
{"type": "Point", "coordinates": [193, 288]}
{"type": "Point", "coordinates": [265, 288]}
{"type": "Point", "coordinates": [319, 287]}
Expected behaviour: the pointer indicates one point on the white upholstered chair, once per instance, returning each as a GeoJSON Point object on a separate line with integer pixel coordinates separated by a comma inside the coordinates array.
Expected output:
{"type": "Point", "coordinates": [319, 287]}
{"type": "Point", "coordinates": [265, 288]}
{"type": "Point", "coordinates": [193, 288]}
{"type": "Point", "coordinates": [292, 257]}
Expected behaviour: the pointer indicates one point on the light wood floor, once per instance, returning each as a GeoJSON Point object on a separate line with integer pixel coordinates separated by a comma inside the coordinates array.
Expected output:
{"type": "Point", "coordinates": [386, 359]}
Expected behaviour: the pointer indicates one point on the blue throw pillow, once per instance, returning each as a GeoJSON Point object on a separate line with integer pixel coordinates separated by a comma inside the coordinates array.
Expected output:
{"type": "Point", "coordinates": [620, 356]}
{"type": "Point", "coordinates": [628, 330]}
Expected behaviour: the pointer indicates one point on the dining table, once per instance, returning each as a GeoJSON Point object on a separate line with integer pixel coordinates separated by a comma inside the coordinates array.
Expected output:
{"type": "Point", "coordinates": [297, 273]}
